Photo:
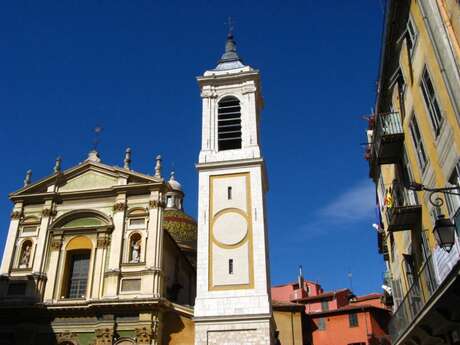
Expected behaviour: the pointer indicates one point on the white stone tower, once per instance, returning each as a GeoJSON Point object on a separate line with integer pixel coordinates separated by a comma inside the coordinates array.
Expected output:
{"type": "Point", "coordinates": [233, 299]}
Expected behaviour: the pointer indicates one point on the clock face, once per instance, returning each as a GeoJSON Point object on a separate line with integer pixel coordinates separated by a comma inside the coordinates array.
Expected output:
{"type": "Point", "coordinates": [230, 228]}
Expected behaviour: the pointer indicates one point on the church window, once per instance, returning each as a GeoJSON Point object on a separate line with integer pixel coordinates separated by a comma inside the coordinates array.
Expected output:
{"type": "Point", "coordinates": [230, 266]}
{"type": "Point", "coordinates": [229, 193]}
{"type": "Point", "coordinates": [78, 274]}
{"type": "Point", "coordinates": [229, 124]}
{"type": "Point", "coordinates": [136, 222]}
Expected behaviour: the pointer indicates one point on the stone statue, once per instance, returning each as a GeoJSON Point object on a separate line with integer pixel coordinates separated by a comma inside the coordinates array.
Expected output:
{"type": "Point", "coordinates": [24, 260]}
{"type": "Point", "coordinates": [135, 250]}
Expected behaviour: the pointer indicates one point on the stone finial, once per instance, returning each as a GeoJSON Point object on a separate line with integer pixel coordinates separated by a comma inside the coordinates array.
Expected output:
{"type": "Point", "coordinates": [28, 178]}
{"type": "Point", "coordinates": [93, 156]}
{"type": "Point", "coordinates": [57, 165]}
{"type": "Point", "coordinates": [127, 160]}
{"type": "Point", "coordinates": [158, 166]}
{"type": "Point", "coordinates": [172, 176]}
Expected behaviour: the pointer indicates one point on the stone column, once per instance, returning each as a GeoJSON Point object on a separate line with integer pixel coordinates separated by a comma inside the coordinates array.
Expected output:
{"type": "Point", "coordinates": [112, 276]}
{"type": "Point", "coordinates": [8, 254]}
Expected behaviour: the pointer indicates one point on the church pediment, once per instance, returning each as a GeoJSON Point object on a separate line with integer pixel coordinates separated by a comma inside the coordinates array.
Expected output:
{"type": "Point", "coordinates": [89, 180]}
{"type": "Point", "coordinates": [87, 176]}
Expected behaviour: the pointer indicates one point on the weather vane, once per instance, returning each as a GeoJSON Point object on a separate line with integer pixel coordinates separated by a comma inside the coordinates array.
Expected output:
{"type": "Point", "coordinates": [97, 139]}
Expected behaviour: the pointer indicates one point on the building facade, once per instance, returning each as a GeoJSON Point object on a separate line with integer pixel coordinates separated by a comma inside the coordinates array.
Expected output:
{"type": "Point", "coordinates": [336, 317]}
{"type": "Point", "coordinates": [413, 153]}
{"type": "Point", "coordinates": [232, 303]}
{"type": "Point", "coordinates": [98, 254]}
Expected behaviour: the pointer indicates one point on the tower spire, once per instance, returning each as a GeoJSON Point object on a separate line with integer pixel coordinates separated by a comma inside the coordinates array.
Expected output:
{"type": "Point", "coordinates": [230, 46]}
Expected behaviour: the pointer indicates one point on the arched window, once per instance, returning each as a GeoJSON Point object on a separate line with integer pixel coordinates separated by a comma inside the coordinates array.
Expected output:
{"type": "Point", "coordinates": [229, 124]}
{"type": "Point", "coordinates": [78, 254]}
{"type": "Point", "coordinates": [25, 253]}
{"type": "Point", "coordinates": [135, 248]}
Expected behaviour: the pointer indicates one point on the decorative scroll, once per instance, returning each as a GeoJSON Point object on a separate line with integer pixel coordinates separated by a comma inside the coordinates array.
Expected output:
{"type": "Point", "coordinates": [48, 212]}
{"type": "Point", "coordinates": [103, 242]}
{"type": "Point", "coordinates": [56, 244]}
{"type": "Point", "coordinates": [104, 336]}
{"type": "Point", "coordinates": [119, 206]}
{"type": "Point", "coordinates": [16, 215]}
{"type": "Point", "coordinates": [156, 204]}
{"type": "Point", "coordinates": [67, 336]}
{"type": "Point", "coordinates": [144, 335]}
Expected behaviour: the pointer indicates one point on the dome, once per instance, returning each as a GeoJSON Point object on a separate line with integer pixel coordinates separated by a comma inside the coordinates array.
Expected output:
{"type": "Point", "coordinates": [175, 185]}
{"type": "Point", "coordinates": [181, 227]}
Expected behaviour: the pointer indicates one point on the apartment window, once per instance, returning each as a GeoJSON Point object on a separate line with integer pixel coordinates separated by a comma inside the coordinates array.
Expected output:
{"type": "Point", "coordinates": [453, 201]}
{"type": "Point", "coordinates": [397, 292]}
{"type": "Point", "coordinates": [417, 138]}
{"type": "Point", "coordinates": [411, 36]}
{"type": "Point", "coordinates": [321, 324]}
{"type": "Point", "coordinates": [431, 101]}
{"type": "Point", "coordinates": [229, 193]}
{"type": "Point", "coordinates": [229, 124]}
{"type": "Point", "coordinates": [324, 305]}
{"type": "Point", "coordinates": [230, 266]}
{"type": "Point", "coordinates": [78, 274]}
{"type": "Point", "coordinates": [353, 319]}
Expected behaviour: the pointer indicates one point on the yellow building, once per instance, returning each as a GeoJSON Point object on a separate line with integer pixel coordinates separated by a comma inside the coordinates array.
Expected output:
{"type": "Point", "coordinates": [413, 153]}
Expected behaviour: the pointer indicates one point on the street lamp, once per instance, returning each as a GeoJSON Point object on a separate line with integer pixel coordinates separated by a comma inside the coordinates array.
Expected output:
{"type": "Point", "coordinates": [444, 232]}
{"type": "Point", "coordinates": [444, 228]}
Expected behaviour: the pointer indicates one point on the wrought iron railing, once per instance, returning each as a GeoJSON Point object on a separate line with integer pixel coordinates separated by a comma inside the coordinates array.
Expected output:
{"type": "Point", "coordinates": [401, 196]}
{"type": "Point", "coordinates": [420, 291]}
{"type": "Point", "coordinates": [386, 124]}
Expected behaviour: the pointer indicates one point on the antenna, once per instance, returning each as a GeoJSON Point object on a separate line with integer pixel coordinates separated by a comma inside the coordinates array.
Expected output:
{"type": "Point", "coordinates": [350, 278]}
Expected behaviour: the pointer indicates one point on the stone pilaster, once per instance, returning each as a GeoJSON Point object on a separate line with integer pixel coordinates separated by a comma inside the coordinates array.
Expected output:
{"type": "Point", "coordinates": [8, 254]}
{"type": "Point", "coordinates": [42, 238]}
{"type": "Point", "coordinates": [103, 242]}
{"type": "Point", "coordinates": [54, 259]}
{"type": "Point", "coordinates": [112, 275]}
{"type": "Point", "coordinates": [154, 252]}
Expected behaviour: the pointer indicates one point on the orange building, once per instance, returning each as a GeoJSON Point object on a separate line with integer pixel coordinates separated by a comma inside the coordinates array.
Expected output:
{"type": "Point", "coordinates": [337, 317]}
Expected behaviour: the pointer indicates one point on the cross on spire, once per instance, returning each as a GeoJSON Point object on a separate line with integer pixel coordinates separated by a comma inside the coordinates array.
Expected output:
{"type": "Point", "coordinates": [230, 26]}
{"type": "Point", "coordinates": [97, 139]}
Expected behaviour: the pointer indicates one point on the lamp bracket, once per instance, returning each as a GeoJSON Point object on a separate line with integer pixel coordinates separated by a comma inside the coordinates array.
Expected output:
{"type": "Point", "coordinates": [434, 193]}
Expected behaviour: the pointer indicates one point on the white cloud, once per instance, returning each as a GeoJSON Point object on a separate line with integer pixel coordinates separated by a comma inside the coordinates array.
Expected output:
{"type": "Point", "coordinates": [350, 207]}
{"type": "Point", "coordinates": [353, 205]}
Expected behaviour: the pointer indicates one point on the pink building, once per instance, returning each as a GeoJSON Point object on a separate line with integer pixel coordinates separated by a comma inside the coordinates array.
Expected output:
{"type": "Point", "coordinates": [337, 317]}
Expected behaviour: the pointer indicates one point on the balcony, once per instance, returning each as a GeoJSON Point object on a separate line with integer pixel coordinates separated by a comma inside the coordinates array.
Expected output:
{"type": "Point", "coordinates": [388, 138]}
{"type": "Point", "coordinates": [403, 211]}
{"type": "Point", "coordinates": [429, 310]}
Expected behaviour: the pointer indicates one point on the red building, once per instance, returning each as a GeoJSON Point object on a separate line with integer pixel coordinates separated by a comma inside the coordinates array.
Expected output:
{"type": "Point", "coordinates": [337, 317]}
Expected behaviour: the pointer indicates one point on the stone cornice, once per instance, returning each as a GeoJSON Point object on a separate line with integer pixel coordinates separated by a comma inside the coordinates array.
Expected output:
{"type": "Point", "coordinates": [129, 189]}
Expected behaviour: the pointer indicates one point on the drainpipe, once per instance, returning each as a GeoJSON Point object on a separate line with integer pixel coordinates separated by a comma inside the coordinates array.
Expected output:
{"type": "Point", "coordinates": [443, 50]}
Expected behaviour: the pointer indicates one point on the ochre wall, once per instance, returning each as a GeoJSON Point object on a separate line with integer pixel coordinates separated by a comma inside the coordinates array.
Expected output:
{"type": "Point", "coordinates": [289, 325]}
{"type": "Point", "coordinates": [177, 329]}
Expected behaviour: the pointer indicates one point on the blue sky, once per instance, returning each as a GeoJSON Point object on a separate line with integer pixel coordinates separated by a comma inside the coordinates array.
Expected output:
{"type": "Point", "coordinates": [130, 66]}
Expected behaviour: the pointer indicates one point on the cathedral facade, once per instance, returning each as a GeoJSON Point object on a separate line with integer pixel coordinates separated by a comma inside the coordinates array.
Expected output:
{"type": "Point", "coordinates": [100, 254]}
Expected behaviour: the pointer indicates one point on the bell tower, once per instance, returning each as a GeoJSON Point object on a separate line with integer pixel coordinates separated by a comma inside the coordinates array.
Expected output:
{"type": "Point", "coordinates": [233, 300]}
